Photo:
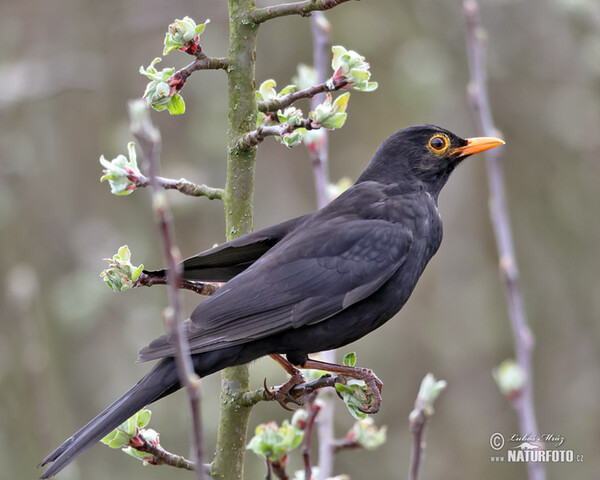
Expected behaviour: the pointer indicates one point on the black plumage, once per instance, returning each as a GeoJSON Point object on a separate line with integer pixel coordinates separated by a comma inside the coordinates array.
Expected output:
{"type": "Point", "coordinates": [313, 283]}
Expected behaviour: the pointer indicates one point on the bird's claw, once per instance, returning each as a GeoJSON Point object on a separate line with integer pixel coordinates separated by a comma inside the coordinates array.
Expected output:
{"type": "Point", "coordinates": [374, 386]}
{"type": "Point", "coordinates": [282, 393]}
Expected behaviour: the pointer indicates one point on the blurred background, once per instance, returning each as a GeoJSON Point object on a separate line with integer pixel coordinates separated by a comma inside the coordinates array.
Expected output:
{"type": "Point", "coordinates": [68, 344]}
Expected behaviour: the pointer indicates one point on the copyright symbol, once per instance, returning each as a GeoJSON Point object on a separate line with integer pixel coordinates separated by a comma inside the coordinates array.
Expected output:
{"type": "Point", "coordinates": [497, 441]}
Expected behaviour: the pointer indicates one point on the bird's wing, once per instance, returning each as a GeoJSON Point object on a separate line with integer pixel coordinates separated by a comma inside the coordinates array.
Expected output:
{"type": "Point", "coordinates": [309, 277]}
{"type": "Point", "coordinates": [225, 261]}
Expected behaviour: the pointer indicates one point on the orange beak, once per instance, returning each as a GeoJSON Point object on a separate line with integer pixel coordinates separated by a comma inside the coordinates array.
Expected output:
{"type": "Point", "coordinates": [478, 144]}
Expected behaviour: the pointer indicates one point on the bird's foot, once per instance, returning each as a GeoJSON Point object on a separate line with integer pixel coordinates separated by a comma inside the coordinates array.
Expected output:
{"type": "Point", "coordinates": [283, 394]}
{"type": "Point", "coordinates": [371, 401]}
{"type": "Point", "coordinates": [374, 388]}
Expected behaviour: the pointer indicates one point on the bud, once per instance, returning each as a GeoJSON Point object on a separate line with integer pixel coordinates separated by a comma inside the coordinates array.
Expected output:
{"type": "Point", "coordinates": [183, 34]}
{"type": "Point", "coordinates": [366, 434]}
{"type": "Point", "coordinates": [290, 116]}
{"type": "Point", "coordinates": [294, 138]}
{"type": "Point", "coordinates": [352, 66]}
{"type": "Point", "coordinates": [331, 114]}
{"type": "Point", "coordinates": [273, 442]}
{"type": "Point", "coordinates": [121, 172]}
{"type": "Point", "coordinates": [161, 91]}
{"type": "Point", "coordinates": [510, 378]}
{"type": "Point", "coordinates": [121, 274]}
{"type": "Point", "coordinates": [429, 392]}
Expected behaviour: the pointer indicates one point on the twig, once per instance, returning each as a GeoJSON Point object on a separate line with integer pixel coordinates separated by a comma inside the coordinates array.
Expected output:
{"type": "Point", "coordinates": [182, 185]}
{"type": "Point", "coordinates": [148, 279]}
{"type": "Point", "coordinates": [523, 338]}
{"type": "Point", "coordinates": [345, 444]}
{"type": "Point", "coordinates": [417, 427]}
{"type": "Point", "coordinates": [161, 457]}
{"type": "Point", "coordinates": [313, 411]}
{"type": "Point", "coordinates": [202, 62]}
{"type": "Point", "coordinates": [319, 156]}
{"type": "Point", "coordinates": [278, 470]}
{"type": "Point", "coordinates": [149, 140]}
{"type": "Point", "coordinates": [325, 85]}
{"type": "Point", "coordinates": [429, 391]}
{"type": "Point", "coordinates": [304, 9]}
{"type": "Point", "coordinates": [253, 138]}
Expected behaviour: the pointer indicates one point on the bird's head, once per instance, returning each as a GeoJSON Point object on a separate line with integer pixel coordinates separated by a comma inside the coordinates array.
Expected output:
{"type": "Point", "coordinates": [423, 156]}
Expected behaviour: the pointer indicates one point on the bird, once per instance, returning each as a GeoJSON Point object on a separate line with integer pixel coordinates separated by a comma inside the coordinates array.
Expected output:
{"type": "Point", "coordinates": [313, 283]}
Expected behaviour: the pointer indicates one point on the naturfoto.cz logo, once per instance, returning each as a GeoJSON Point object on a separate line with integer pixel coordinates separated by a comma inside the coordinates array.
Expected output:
{"type": "Point", "coordinates": [532, 448]}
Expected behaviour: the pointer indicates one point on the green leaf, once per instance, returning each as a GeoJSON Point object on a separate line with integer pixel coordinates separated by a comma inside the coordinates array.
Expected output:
{"type": "Point", "coordinates": [287, 90]}
{"type": "Point", "coordinates": [267, 89]}
{"type": "Point", "coordinates": [335, 121]}
{"type": "Point", "coordinates": [116, 439]}
{"type": "Point", "coordinates": [143, 417]}
{"type": "Point", "coordinates": [355, 396]}
{"type": "Point", "coordinates": [177, 105]}
{"type": "Point", "coordinates": [350, 359]}
{"type": "Point", "coordinates": [341, 103]}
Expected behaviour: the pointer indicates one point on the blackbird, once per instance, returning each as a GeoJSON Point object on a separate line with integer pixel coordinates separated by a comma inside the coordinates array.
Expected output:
{"type": "Point", "coordinates": [317, 282]}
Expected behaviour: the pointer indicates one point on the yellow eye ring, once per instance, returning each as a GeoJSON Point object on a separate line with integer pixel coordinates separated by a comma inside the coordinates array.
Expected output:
{"type": "Point", "coordinates": [438, 144]}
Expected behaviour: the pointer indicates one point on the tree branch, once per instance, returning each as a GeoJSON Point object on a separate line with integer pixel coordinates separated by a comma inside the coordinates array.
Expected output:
{"type": "Point", "coordinates": [149, 140]}
{"type": "Point", "coordinates": [148, 279]}
{"type": "Point", "coordinates": [304, 9]}
{"type": "Point", "coordinates": [161, 457]}
{"type": "Point", "coordinates": [313, 411]}
{"type": "Point", "coordinates": [182, 185]}
{"type": "Point", "coordinates": [239, 214]}
{"type": "Point", "coordinates": [523, 338]}
{"type": "Point", "coordinates": [319, 156]}
{"type": "Point", "coordinates": [253, 138]}
{"type": "Point", "coordinates": [274, 104]}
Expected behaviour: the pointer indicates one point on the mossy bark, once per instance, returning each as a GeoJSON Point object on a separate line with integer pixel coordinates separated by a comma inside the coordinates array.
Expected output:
{"type": "Point", "coordinates": [238, 202]}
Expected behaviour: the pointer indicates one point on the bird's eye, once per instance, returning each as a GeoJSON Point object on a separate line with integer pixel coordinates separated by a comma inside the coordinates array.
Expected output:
{"type": "Point", "coordinates": [438, 144]}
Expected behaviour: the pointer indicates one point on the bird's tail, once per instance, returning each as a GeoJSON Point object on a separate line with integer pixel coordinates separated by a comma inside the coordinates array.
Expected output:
{"type": "Point", "coordinates": [160, 381]}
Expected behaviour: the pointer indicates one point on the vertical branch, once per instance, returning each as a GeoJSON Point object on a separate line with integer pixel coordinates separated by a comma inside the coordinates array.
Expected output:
{"type": "Point", "coordinates": [320, 28]}
{"type": "Point", "coordinates": [429, 392]}
{"type": "Point", "coordinates": [319, 157]}
{"type": "Point", "coordinates": [237, 199]}
{"type": "Point", "coordinates": [313, 409]}
{"type": "Point", "coordinates": [523, 338]}
{"type": "Point", "coordinates": [149, 140]}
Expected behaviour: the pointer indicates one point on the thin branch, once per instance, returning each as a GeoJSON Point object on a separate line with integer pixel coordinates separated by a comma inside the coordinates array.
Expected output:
{"type": "Point", "coordinates": [523, 338]}
{"type": "Point", "coordinates": [319, 156]}
{"type": "Point", "coordinates": [149, 140]}
{"type": "Point", "coordinates": [202, 62]}
{"type": "Point", "coordinates": [253, 138]}
{"type": "Point", "coordinates": [429, 392]}
{"type": "Point", "coordinates": [182, 185]}
{"type": "Point", "coordinates": [313, 411]}
{"type": "Point", "coordinates": [148, 279]}
{"type": "Point", "coordinates": [330, 85]}
{"type": "Point", "coordinates": [161, 457]}
{"type": "Point", "coordinates": [345, 444]}
{"type": "Point", "coordinates": [417, 427]}
{"type": "Point", "coordinates": [278, 470]}
{"type": "Point", "coordinates": [304, 9]}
